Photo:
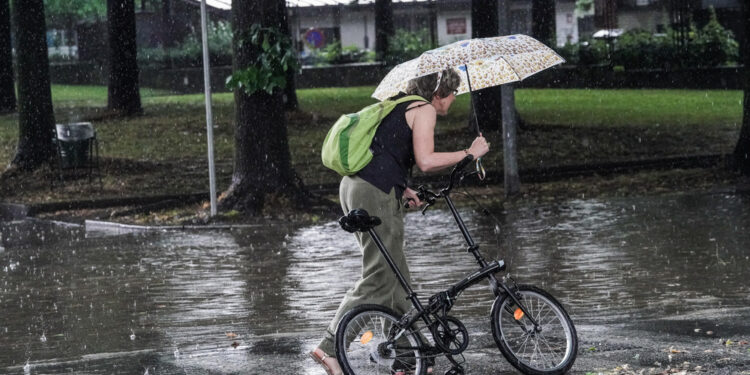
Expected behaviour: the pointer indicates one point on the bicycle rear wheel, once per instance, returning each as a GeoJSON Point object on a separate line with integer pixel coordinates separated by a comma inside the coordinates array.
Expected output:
{"type": "Point", "coordinates": [369, 342]}
{"type": "Point", "coordinates": [549, 350]}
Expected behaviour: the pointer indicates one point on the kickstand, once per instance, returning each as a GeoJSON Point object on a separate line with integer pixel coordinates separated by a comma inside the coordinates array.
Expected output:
{"type": "Point", "coordinates": [457, 369]}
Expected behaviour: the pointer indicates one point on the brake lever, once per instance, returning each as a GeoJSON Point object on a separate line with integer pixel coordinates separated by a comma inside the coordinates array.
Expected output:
{"type": "Point", "coordinates": [426, 206]}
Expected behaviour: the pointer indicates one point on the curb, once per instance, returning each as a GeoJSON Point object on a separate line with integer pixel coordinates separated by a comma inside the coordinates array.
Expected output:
{"type": "Point", "coordinates": [108, 226]}
{"type": "Point", "coordinates": [15, 211]}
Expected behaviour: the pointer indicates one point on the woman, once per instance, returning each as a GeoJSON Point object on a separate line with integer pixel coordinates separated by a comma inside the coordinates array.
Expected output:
{"type": "Point", "coordinates": [404, 137]}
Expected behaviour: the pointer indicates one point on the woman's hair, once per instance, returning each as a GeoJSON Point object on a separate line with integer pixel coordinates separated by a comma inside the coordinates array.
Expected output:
{"type": "Point", "coordinates": [425, 86]}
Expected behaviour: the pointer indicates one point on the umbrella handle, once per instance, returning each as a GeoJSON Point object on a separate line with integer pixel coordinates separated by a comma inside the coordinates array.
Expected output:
{"type": "Point", "coordinates": [480, 169]}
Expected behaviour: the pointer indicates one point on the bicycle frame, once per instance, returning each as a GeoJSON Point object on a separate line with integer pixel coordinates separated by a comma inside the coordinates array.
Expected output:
{"type": "Point", "coordinates": [487, 270]}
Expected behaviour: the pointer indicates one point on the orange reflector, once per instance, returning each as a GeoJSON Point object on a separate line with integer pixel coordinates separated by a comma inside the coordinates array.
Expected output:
{"type": "Point", "coordinates": [366, 337]}
{"type": "Point", "coordinates": [518, 314]}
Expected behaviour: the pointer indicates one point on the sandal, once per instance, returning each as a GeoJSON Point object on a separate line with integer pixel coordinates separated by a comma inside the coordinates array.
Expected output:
{"type": "Point", "coordinates": [321, 361]}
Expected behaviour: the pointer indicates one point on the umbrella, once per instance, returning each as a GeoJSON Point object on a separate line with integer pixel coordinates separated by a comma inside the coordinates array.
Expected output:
{"type": "Point", "coordinates": [485, 62]}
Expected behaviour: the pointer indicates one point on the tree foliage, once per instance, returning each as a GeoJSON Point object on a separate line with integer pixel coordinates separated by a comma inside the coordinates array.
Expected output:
{"type": "Point", "coordinates": [269, 70]}
{"type": "Point", "coordinates": [66, 12]}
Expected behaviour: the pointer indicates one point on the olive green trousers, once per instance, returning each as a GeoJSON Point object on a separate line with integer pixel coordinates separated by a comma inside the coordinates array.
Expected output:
{"type": "Point", "coordinates": [378, 284]}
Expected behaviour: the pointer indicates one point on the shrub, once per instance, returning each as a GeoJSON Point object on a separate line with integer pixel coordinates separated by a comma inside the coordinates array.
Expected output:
{"type": "Point", "coordinates": [639, 49]}
{"type": "Point", "coordinates": [189, 53]}
{"type": "Point", "coordinates": [569, 52]}
{"type": "Point", "coordinates": [709, 46]}
{"type": "Point", "coordinates": [593, 52]}
{"type": "Point", "coordinates": [714, 45]}
{"type": "Point", "coordinates": [406, 45]}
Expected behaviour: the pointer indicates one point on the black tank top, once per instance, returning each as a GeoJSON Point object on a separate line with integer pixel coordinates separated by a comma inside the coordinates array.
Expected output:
{"type": "Point", "coordinates": [393, 153]}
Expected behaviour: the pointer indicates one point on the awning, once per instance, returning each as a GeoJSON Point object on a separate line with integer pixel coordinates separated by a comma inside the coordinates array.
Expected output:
{"type": "Point", "coordinates": [227, 4]}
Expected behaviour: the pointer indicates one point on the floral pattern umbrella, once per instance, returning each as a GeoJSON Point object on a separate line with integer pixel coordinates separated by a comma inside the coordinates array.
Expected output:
{"type": "Point", "coordinates": [488, 61]}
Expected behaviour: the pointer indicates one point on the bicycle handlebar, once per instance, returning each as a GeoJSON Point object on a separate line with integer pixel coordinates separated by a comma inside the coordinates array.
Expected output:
{"type": "Point", "coordinates": [429, 197]}
{"type": "Point", "coordinates": [458, 168]}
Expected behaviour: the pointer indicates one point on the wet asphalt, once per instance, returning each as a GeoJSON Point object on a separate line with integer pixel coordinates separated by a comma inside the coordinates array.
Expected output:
{"type": "Point", "coordinates": [654, 284]}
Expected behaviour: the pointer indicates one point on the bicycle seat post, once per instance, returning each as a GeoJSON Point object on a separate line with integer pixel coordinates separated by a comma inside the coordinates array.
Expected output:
{"type": "Point", "coordinates": [409, 291]}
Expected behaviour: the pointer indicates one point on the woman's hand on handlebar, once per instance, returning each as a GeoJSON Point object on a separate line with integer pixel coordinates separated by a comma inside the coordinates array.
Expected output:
{"type": "Point", "coordinates": [479, 147]}
{"type": "Point", "coordinates": [411, 199]}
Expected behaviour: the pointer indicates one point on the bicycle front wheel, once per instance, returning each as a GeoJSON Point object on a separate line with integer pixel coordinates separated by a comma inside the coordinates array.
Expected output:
{"type": "Point", "coordinates": [548, 349]}
{"type": "Point", "coordinates": [369, 342]}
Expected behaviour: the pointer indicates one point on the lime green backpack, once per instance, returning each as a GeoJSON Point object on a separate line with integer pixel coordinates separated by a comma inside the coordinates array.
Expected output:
{"type": "Point", "coordinates": [346, 148]}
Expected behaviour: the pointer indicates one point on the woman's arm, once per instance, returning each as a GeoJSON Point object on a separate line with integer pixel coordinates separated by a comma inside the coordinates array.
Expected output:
{"type": "Point", "coordinates": [423, 138]}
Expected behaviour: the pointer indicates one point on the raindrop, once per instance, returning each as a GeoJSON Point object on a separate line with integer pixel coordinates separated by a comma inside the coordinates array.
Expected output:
{"type": "Point", "coordinates": [177, 353]}
{"type": "Point", "coordinates": [132, 338]}
{"type": "Point", "coordinates": [43, 338]}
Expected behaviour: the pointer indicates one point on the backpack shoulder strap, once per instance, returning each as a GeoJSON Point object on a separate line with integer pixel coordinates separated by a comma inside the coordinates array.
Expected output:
{"type": "Point", "coordinates": [417, 106]}
{"type": "Point", "coordinates": [411, 98]}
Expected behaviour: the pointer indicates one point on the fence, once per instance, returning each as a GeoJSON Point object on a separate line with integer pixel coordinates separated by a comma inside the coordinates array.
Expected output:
{"type": "Point", "coordinates": [190, 80]}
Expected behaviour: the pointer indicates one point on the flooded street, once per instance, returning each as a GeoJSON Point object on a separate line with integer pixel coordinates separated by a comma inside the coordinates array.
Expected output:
{"type": "Point", "coordinates": [637, 275]}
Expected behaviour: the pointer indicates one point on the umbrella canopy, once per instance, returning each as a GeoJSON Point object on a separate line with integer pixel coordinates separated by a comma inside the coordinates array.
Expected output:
{"type": "Point", "coordinates": [488, 61]}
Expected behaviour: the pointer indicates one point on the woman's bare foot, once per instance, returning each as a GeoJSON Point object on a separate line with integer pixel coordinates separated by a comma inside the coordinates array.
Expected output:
{"type": "Point", "coordinates": [330, 364]}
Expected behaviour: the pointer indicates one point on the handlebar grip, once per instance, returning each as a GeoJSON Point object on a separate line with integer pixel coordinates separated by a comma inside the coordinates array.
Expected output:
{"type": "Point", "coordinates": [420, 194]}
{"type": "Point", "coordinates": [406, 202]}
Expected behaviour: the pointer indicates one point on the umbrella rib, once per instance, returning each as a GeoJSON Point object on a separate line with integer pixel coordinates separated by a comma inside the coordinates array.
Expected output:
{"type": "Point", "coordinates": [511, 68]}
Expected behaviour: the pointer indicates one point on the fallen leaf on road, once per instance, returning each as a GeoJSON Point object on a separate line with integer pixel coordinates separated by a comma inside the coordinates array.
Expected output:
{"type": "Point", "coordinates": [235, 344]}
{"type": "Point", "coordinates": [231, 335]}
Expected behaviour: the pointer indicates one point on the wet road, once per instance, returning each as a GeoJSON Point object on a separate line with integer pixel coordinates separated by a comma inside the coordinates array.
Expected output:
{"type": "Point", "coordinates": [651, 283]}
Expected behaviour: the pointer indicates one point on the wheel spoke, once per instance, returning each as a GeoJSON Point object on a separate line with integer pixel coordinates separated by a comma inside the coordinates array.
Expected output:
{"type": "Point", "coordinates": [544, 347]}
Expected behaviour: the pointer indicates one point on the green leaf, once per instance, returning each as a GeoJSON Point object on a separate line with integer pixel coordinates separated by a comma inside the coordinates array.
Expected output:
{"type": "Point", "coordinates": [266, 45]}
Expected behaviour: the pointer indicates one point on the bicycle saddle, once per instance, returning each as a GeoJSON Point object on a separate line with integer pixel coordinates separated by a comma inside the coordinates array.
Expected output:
{"type": "Point", "coordinates": [358, 220]}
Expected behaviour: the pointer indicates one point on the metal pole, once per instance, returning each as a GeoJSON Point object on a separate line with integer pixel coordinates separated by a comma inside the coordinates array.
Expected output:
{"type": "Point", "coordinates": [209, 105]}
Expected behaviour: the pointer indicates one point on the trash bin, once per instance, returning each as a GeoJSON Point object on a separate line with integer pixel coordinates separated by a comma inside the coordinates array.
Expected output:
{"type": "Point", "coordinates": [74, 141]}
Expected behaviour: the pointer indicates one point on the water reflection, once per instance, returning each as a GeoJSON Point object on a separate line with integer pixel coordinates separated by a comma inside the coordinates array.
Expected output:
{"type": "Point", "coordinates": [226, 301]}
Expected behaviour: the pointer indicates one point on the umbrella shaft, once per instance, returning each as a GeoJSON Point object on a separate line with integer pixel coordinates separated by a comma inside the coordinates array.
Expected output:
{"type": "Point", "coordinates": [471, 98]}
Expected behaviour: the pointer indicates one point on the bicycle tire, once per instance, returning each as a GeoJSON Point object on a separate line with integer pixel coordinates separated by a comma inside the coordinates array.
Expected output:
{"type": "Point", "coordinates": [361, 348]}
{"type": "Point", "coordinates": [556, 344]}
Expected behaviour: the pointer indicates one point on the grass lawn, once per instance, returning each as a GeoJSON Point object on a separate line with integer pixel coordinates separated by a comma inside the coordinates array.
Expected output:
{"type": "Point", "coordinates": [564, 127]}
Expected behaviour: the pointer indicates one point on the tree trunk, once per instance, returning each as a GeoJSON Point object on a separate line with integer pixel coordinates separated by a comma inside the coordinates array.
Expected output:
{"type": "Point", "coordinates": [36, 118]}
{"type": "Point", "coordinates": [168, 24]}
{"type": "Point", "coordinates": [262, 164]}
{"type": "Point", "coordinates": [486, 102]}
{"type": "Point", "coordinates": [512, 181]}
{"type": "Point", "coordinates": [7, 86]}
{"type": "Point", "coordinates": [123, 95]}
{"type": "Point", "coordinates": [383, 28]}
{"type": "Point", "coordinates": [290, 91]}
{"type": "Point", "coordinates": [543, 21]}
{"type": "Point", "coordinates": [742, 150]}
